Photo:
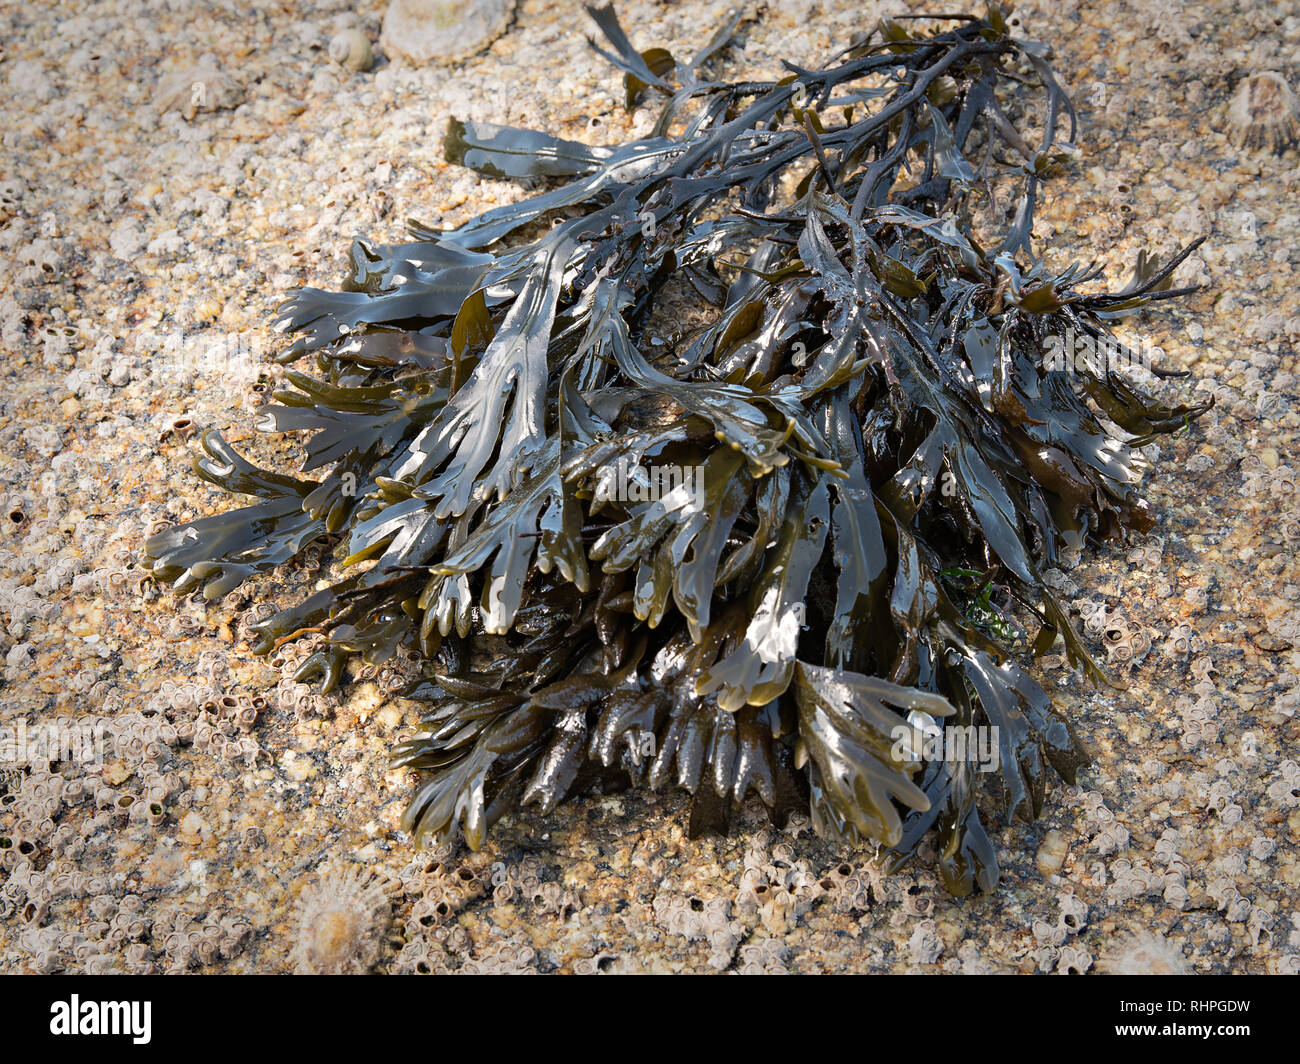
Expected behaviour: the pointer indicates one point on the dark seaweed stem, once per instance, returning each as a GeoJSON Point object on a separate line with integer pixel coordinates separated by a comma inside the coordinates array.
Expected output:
{"type": "Point", "coordinates": [875, 462]}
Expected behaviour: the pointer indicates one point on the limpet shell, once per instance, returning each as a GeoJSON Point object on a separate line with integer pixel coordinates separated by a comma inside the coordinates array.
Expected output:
{"type": "Point", "coordinates": [443, 30]}
{"type": "Point", "coordinates": [1263, 112]}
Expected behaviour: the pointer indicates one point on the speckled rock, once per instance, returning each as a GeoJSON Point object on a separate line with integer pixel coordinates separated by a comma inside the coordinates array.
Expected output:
{"type": "Point", "coordinates": [143, 254]}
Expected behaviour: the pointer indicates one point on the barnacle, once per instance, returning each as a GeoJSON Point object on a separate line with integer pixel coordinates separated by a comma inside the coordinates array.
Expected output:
{"type": "Point", "coordinates": [882, 458]}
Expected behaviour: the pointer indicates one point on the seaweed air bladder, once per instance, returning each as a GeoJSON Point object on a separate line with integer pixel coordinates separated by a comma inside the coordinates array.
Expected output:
{"type": "Point", "coordinates": [886, 463]}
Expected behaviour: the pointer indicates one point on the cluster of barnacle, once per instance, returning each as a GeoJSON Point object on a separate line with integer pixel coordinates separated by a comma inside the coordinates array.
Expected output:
{"type": "Point", "coordinates": [442, 888]}
{"type": "Point", "coordinates": [1270, 404]}
{"type": "Point", "coordinates": [41, 553]}
{"type": "Point", "coordinates": [1166, 850]}
{"type": "Point", "coordinates": [1133, 879]}
{"type": "Point", "coordinates": [52, 950]}
{"type": "Point", "coordinates": [117, 931]}
{"type": "Point", "coordinates": [1259, 925]}
{"type": "Point", "coordinates": [85, 383]}
{"type": "Point", "coordinates": [117, 926]}
{"type": "Point", "coordinates": [28, 812]}
{"type": "Point", "coordinates": [222, 727]}
{"type": "Point", "coordinates": [1073, 960]}
{"type": "Point", "coordinates": [391, 678]}
{"type": "Point", "coordinates": [38, 262]}
{"type": "Point", "coordinates": [22, 604]}
{"type": "Point", "coordinates": [43, 439]}
{"type": "Point", "coordinates": [925, 945]}
{"type": "Point", "coordinates": [968, 961]}
{"type": "Point", "coordinates": [1147, 554]}
{"type": "Point", "coordinates": [1060, 582]}
{"type": "Point", "coordinates": [597, 964]}
{"type": "Point", "coordinates": [1249, 403]}
{"type": "Point", "coordinates": [1198, 717]}
{"type": "Point", "coordinates": [122, 576]}
{"type": "Point", "coordinates": [88, 681]}
{"type": "Point", "coordinates": [1258, 478]}
{"type": "Point", "coordinates": [910, 895]}
{"type": "Point", "coordinates": [33, 806]}
{"type": "Point", "coordinates": [30, 892]}
{"type": "Point", "coordinates": [109, 368]}
{"type": "Point", "coordinates": [201, 714]}
{"type": "Point", "coordinates": [1222, 887]}
{"type": "Point", "coordinates": [1284, 791]}
{"type": "Point", "coordinates": [766, 957]}
{"type": "Point", "coordinates": [699, 919]}
{"type": "Point", "coordinates": [1111, 837]}
{"type": "Point", "coordinates": [507, 959]}
{"type": "Point", "coordinates": [49, 949]}
{"type": "Point", "coordinates": [523, 882]}
{"type": "Point", "coordinates": [425, 955]}
{"type": "Point", "coordinates": [1051, 937]}
{"type": "Point", "coordinates": [1108, 835]}
{"type": "Point", "coordinates": [777, 889]}
{"type": "Point", "coordinates": [1126, 642]}
{"type": "Point", "coordinates": [1285, 630]}
{"type": "Point", "coordinates": [255, 615]}
{"type": "Point", "coordinates": [183, 697]}
{"type": "Point", "coordinates": [110, 802]}
{"type": "Point", "coordinates": [39, 550]}
{"type": "Point", "coordinates": [850, 888]}
{"type": "Point", "coordinates": [189, 942]}
{"type": "Point", "coordinates": [433, 938]}
{"type": "Point", "coordinates": [1219, 799]}
{"type": "Point", "coordinates": [1176, 895]}
{"type": "Point", "coordinates": [292, 693]}
{"type": "Point", "coordinates": [142, 741]}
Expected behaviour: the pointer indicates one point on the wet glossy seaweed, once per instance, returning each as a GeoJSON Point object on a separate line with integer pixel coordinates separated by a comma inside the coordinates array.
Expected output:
{"type": "Point", "coordinates": [886, 464]}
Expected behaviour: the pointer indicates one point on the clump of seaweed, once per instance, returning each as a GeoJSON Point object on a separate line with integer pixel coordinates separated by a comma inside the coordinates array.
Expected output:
{"type": "Point", "coordinates": [882, 463]}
